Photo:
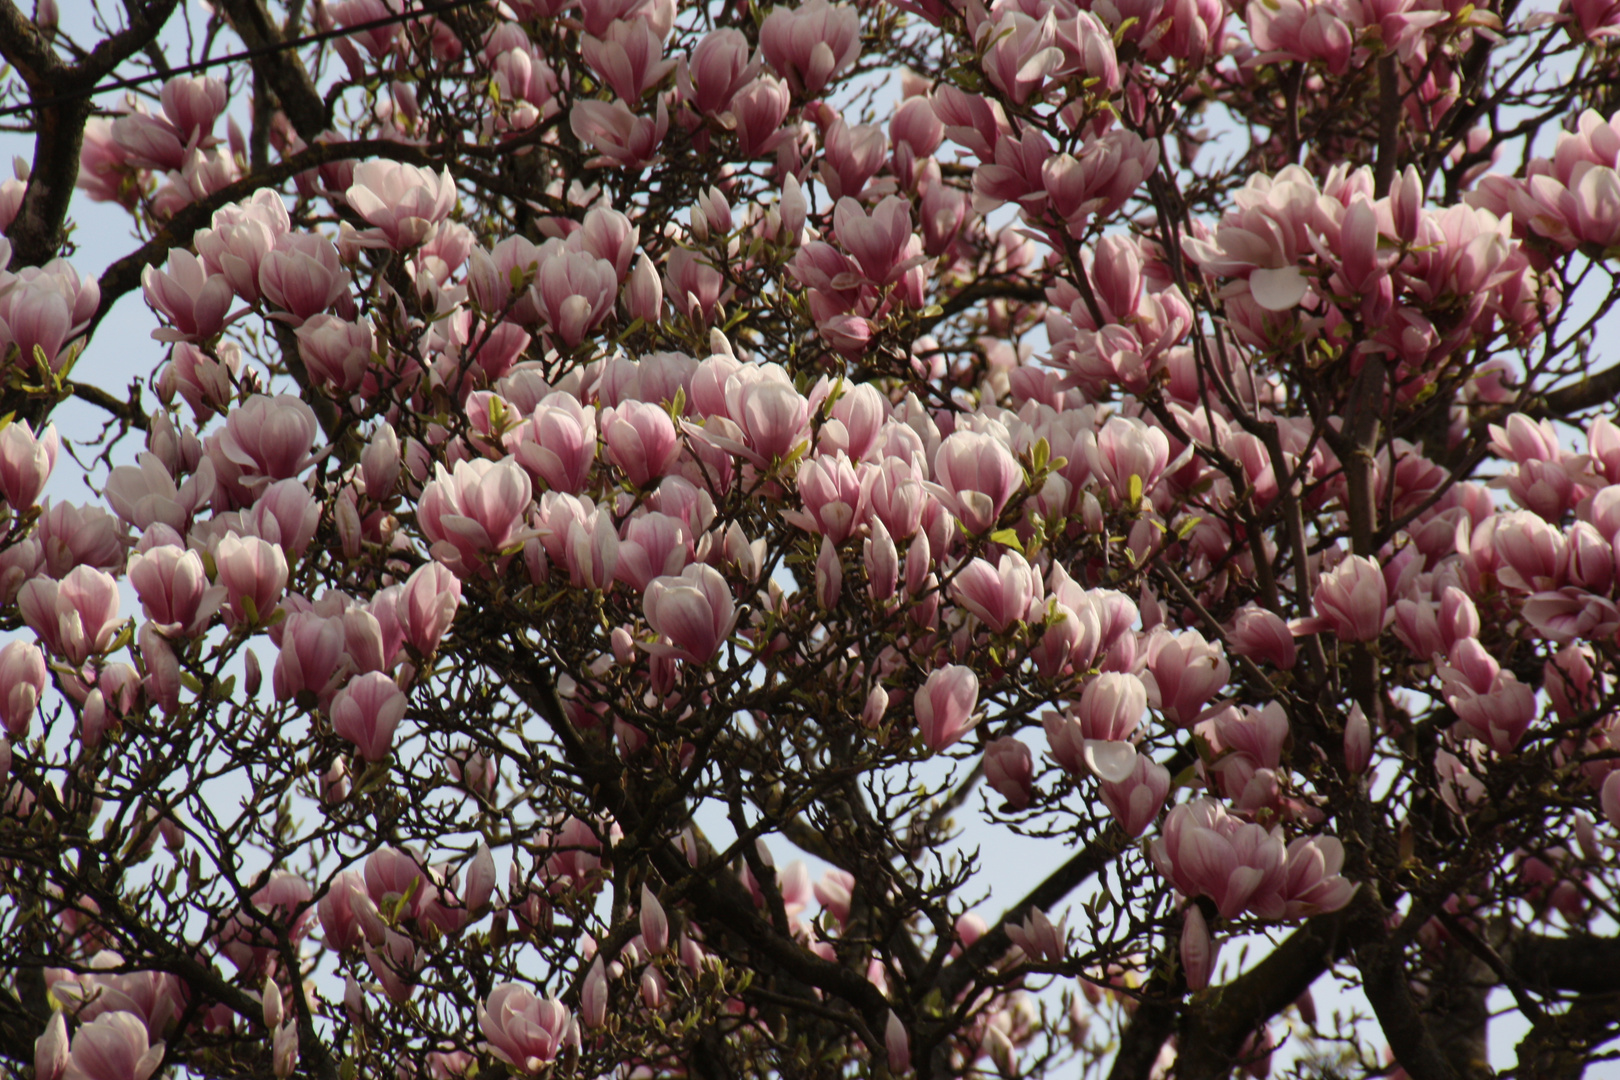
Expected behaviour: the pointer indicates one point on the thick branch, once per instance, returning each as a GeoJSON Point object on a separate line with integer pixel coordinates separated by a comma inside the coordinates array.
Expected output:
{"type": "Point", "coordinates": [37, 233]}
{"type": "Point", "coordinates": [281, 69]}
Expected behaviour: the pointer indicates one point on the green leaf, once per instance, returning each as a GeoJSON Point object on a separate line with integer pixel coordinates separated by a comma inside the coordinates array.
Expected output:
{"type": "Point", "coordinates": [1007, 538]}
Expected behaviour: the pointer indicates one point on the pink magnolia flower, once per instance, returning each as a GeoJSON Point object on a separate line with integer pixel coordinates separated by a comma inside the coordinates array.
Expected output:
{"type": "Point", "coordinates": [303, 276]}
{"type": "Point", "coordinates": [628, 57]}
{"type": "Point", "coordinates": [1609, 798]}
{"type": "Point", "coordinates": [1240, 865]}
{"type": "Point", "coordinates": [476, 512]}
{"type": "Point", "coordinates": [192, 103]}
{"type": "Point", "coordinates": [242, 234]}
{"type": "Point", "coordinates": [145, 494]}
{"type": "Point", "coordinates": [944, 706]}
{"type": "Point", "coordinates": [253, 573]}
{"type": "Point", "coordinates": [26, 462]}
{"type": "Point", "coordinates": [640, 439]}
{"type": "Point", "coordinates": [692, 614]}
{"type": "Point", "coordinates": [1001, 596]}
{"type": "Point", "coordinates": [1593, 20]}
{"type": "Point", "coordinates": [654, 923]}
{"type": "Point", "coordinates": [1038, 938]}
{"type": "Point", "coordinates": [977, 476]}
{"type": "Point", "coordinates": [286, 514]}
{"type": "Point", "coordinates": [643, 294]}
{"type": "Point", "coordinates": [620, 137]}
{"type": "Point", "coordinates": [1352, 600]}
{"type": "Point", "coordinates": [834, 497]}
{"type": "Point", "coordinates": [719, 67]}
{"type": "Point", "coordinates": [1262, 635]}
{"type": "Point", "coordinates": [1499, 714]}
{"type": "Point", "coordinates": [558, 445]}
{"type": "Point", "coordinates": [1129, 456]}
{"type": "Point", "coordinates": [426, 607]}
{"type": "Point", "coordinates": [367, 711]}
{"type": "Point", "coordinates": [1136, 800]}
{"type": "Point", "coordinates": [194, 301]}
{"type": "Point", "coordinates": [653, 545]}
{"type": "Point", "coordinates": [1009, 768]}
{"type": "Point", "coordinates": [1184, 672]}
{"type": "Point", "coordinates": [70, 535]}
{"type": "Point", "coordinates": [897, 1045]}
{"type": "Point", "coordinates": [573, 292]}
{"type": "Point", "coordinates": [51, 1048]}
{"type": "Point", "coordinates": [154, 997]}
{"type": "Point", "coordinates": [1303, 30]}
{"type": "Point", "coordinates": [1357, 742]}
{"type": "Point", "coordinates": [268, 439]}
{"type": "Point", "coordinates": [755, 116]}
{"type": "Point", "coordinates": [405, 203]}
{"type": "Point", "coordinates": [1083, 187]}
{"type": "Point", "coordinates": [1313, 885]}
{"type": "Point", "coordinates": [23, 678]}
{"type": "Point", "coordinates": [174, 590]}
{"type": "Point", "coordinates": [879, 243]}
{"type": "Point", "coordinates": [76, 617]}
{"type": "Point", "coordinates": [812, 44]}
{"type": "Point", "coordinates": [113, 1046]}
{"type": "Point", "coordinates": [338, 353]}
{"type": "Point", "coordinates": [774, 417]}
{"type": "Point", "coordinates": [851, 156]}
{"type": "Point", "coordinates": [524, 1031]}
{"type": "Point", "coordinates": [693, 284]}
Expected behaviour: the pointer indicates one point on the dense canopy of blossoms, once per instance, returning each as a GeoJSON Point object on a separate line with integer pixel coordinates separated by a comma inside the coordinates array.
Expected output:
{"type": "Point", "coordinates": [642, 437]}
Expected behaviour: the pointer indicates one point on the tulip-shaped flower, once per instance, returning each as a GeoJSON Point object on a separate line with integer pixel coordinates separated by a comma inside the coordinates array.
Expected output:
{"type": "Point", "coordinates": [77, 617]}
{"type": "Point", "coordinates": [194, 301]}
{"type": "Point", "coordinates": [1204, 851]}
{"type": "Point", "coordinates": [977, 477]}
{"type": "Point", "coordinates": [641, 440]}
{"type": "Point", "coordinates": [692, 614]}
{"type": "Point", "coordinates": [1352, 600]}
{"type": "Point", "coordinates": [174, 589]}
{"type": "Point", "coordinates": [811, 44]}
{"type": "Point", "coordinates": [26, 463]}
{"type": "Point", "coordinates": [1009, 768]}
{"type": "Point", "coordinates": [1262, 635]}
{"type": "Point", "coordinates": [1110, 708]}
{"type": "Point", "coordinates": [1198, 949]}
{"type": "Point", "coordinates": [834, 495]}
{"type": "Point", "coordinates": [22, 683]}
{"type": "Point", "coordinates": [524, 1031]}
{"type": "Point", "coordinates": [476, 512]}
{"type": "Point", "coordinates": [619, 137]}
{"type": "Point", "coordinates": [50, 1049]}
{"type": "Point", "coordinates": [878, 243]}
{"type": "Point", "coordinates": [253, 573]}
{"type": "Point", "coordinates": [1001, 596]}
{"type": "Point", "coordinates": [427, 606]}
{"type": "Point", "coordinates": [1137, 800]}
{"type": "Point", "coordinates": [945, 704]}
{"type": "Point", "coordinates": [113, 1046]}
{"type": "Point", "coordinates": [558, 445]}
{"type": "Point", "coordinates": [1129, 456]}
{"type": "Point", "coordinates": [269, 438]}
{"type": "Point", "coordinates": [1184, 672]}
{"type": "Point", "coordinates": [367, 711]}
{"type": "Point", "coordinates": [573, 291]}
{"type": "Point", "coordinates": [404, 202]}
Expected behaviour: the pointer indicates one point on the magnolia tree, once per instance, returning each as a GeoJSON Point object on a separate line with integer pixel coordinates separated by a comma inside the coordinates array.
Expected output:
{"type": "Point", "coordinates": [597, 454]}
